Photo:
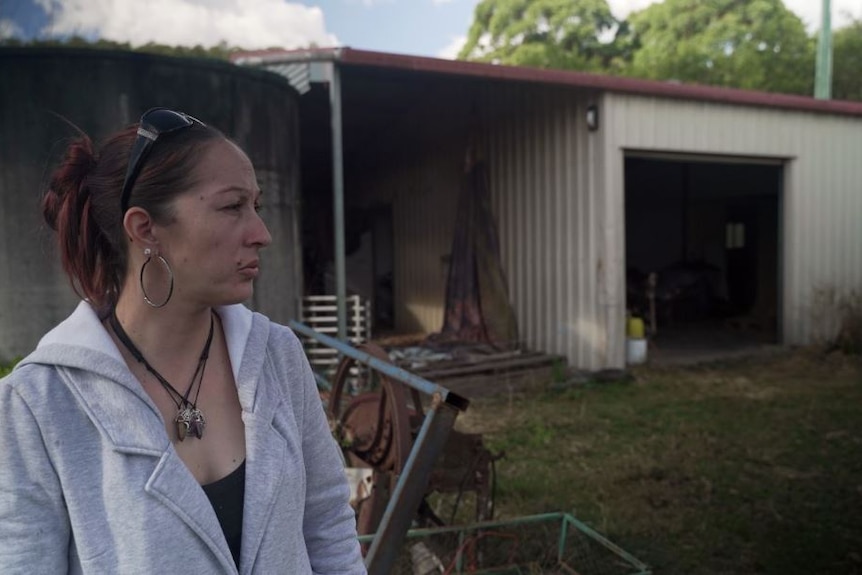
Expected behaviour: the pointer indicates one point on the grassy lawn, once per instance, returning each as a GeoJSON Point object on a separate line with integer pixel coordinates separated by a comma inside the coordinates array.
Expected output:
{"type": "Point", "coordinates": [746, 467]}
{"type": "Point", "coordinates": [5, 368]}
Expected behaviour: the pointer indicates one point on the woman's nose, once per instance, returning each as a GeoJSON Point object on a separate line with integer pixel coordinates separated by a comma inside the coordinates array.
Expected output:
{"type": "Point", "coordinates": [260, 233]}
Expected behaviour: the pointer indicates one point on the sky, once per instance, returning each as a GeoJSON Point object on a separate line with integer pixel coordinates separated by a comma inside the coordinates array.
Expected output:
{"type": "Point", "coordinates": [436, 28]}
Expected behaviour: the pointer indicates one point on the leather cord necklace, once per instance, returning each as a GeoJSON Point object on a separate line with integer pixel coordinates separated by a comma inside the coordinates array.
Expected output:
{"type": "Point", "coordinates": [189, 419]}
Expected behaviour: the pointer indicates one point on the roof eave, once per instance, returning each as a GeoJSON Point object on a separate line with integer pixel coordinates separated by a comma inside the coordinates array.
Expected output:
{"type": "Point", "coordinates": [261, 57]}
{"type": "Point", "coordinates": [665, 89]}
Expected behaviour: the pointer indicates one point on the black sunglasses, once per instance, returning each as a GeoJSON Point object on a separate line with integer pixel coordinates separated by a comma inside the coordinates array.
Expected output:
{"type": "Point", "coordinates": [154, 123]}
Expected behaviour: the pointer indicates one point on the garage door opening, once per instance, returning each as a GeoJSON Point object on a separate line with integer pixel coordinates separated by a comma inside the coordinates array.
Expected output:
{"type": "Point", "coordinates": [702, 253]}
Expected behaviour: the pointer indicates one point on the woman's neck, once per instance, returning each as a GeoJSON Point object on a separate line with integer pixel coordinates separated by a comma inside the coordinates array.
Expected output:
{"type": "Point", "coordinates": [169, 334]}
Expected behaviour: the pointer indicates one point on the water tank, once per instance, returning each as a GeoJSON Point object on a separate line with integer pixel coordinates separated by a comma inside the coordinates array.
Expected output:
{"type": "Point", "coordinates": [101, 91]}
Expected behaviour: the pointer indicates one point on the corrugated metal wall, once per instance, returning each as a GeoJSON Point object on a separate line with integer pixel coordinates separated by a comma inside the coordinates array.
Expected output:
{"type": "Point", "coordinates": [545, 192]}
{"type": "Point", "coordinates": [558, 196]}
{"type": "Point", "coordinates": [547, 205]}
{"type": "Point", "coordinates": [822, 199]}
{"type": "Point", "coordinates": [100, 91]}
{"type": "Point", "coordinates": [420, 180]}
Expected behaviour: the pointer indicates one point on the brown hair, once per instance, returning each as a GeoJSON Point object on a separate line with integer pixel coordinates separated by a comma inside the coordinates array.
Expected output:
{"type": "Point", "coordinates": [82, 203]}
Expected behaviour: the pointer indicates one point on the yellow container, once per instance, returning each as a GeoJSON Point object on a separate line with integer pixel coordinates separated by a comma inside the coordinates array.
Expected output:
{"type": "Point", "coordinates": [635, 328]}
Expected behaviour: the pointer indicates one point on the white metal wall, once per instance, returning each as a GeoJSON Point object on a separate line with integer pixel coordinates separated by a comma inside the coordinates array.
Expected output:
{"type": "Point", "coordinates": [821, 216]}
{"type": "Point", "coordinates": [546, 194]}
{"type": "Point", "coordinates": [558, 196]}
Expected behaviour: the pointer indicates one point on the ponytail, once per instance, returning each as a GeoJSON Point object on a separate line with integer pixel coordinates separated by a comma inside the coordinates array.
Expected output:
{"type": "Point", "coordinates": [66, 207]}
{"type": "Point", "coordinates": [82, 203]}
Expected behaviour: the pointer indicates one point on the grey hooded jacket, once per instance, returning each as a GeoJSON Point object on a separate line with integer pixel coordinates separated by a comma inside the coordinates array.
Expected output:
{"type": "Point", "coordinates": [90, 482]}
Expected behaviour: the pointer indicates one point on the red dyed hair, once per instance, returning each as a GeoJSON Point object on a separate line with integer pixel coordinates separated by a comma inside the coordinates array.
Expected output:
{"type": "Point", "coordinates": [82, 203]}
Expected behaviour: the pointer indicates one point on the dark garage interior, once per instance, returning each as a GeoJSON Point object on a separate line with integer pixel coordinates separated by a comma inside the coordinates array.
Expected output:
{"type": "Point", "coordinates": [708, 229]}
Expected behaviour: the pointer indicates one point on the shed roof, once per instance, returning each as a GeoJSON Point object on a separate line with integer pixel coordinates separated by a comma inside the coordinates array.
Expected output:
{"type": "Point", "coordinates": [667, 89]}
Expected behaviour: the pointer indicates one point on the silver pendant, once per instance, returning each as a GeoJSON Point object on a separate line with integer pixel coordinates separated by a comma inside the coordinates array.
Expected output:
{"type": "Point", "coordinates": [190, 421]}
{"type": "Point", "coordinates": [197, 423]}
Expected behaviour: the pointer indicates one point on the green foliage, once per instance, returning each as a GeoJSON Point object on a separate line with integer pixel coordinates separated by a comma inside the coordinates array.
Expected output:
{"type": "Point", "coordinates": [752, 44]}
{"type": "Point", "coordinates": [571, 34]}
{"type": "Point", "coordinates": [755, 44]}
{"type": "Point", "coordinates": [559, 371]}
{"type": "Point", "coordinates": [221, 51]}
{"type": "Point", "coordinates": [847, 62]}
{"type": "Point", "coordinates": [6, 368]}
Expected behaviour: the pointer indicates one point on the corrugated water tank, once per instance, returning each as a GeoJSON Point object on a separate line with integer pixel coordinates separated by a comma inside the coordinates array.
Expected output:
{"type": "Point", "coordinates": [101, 91]}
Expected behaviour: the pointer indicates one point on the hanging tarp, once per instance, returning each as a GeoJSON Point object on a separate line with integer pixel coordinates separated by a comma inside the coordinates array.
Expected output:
{"type": "Point", "coordinates": [477, 296]}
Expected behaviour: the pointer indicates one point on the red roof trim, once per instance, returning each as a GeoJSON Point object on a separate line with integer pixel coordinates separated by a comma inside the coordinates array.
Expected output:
{"type": "Point", "coordinates": [349, 56]}
{"type": "Point", "coordinates": [599, 82]}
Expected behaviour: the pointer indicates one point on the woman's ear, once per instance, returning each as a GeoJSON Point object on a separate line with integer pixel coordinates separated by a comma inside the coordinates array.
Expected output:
{"type": "Point", "coordinates": [138, 225]}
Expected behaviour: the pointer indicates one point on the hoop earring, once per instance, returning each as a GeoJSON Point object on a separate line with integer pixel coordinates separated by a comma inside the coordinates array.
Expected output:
{"type": "Point", "coordinates": [149, 253]}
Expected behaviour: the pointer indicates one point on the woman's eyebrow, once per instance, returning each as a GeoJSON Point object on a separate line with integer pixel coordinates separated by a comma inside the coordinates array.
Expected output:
{"type": "Point", "coordinates": [239, 189]}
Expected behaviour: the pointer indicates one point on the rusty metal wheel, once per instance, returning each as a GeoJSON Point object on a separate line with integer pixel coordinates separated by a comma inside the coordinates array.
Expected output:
{"type": "Point", "coordinates": [374, 427]}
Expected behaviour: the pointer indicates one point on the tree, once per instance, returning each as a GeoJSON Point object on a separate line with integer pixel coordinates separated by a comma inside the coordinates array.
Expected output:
{"type": "Point", "coordinates": [755, 44]}
{"type": "Point", "coordinates": [569, 34]}
{"type": "Point", "coordinates": [221, 51]}
{"type": "Point", "coordinates": [847, 62]}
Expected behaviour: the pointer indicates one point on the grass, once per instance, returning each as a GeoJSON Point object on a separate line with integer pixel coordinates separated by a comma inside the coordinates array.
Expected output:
{"type": "Point", "coordinates": [746, 467]}
{"type": "Point", "coordinates": [5, 368]}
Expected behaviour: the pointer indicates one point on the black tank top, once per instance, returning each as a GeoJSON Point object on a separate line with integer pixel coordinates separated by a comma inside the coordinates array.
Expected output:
{"type": "Point", "coordinates": [226, 496]}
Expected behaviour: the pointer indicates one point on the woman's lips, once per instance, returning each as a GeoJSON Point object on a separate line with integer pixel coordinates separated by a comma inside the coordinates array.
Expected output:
{"type": "Point", "coordinates": [251, 269]}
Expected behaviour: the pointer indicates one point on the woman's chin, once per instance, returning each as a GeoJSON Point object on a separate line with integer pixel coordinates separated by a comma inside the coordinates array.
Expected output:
{"type": "Point", "coordinates": [236, 296]}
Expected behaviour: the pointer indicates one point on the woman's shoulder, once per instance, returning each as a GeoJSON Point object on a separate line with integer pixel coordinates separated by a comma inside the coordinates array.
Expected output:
{"type": "Point", "coordinates": [276, 336]}
{"type": "Point", "coordinates": [37, 384]}
{"type": "Point", "coordinates": [282, 334]}
{"type": "Point", "coordinates": [28, 371]}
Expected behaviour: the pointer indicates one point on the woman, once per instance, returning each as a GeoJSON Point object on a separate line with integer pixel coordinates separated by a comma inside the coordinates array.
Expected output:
{"type": "Point", "coordinates": [163, 427]}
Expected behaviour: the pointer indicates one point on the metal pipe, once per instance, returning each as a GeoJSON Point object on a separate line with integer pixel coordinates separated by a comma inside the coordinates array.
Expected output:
{"type": "Point", "coordinates": [567, 520]}
{"type": "Point", "coordinates": [413, 481]}
{"type": "Point", "coordinates": [413, 380]}
{"type": "Point", "coordinates": [596, 536]}
{"type": "Point", "coordinates": [561, 547]}
{"type": "Point", "coordinates": [338, 199]}
{"type": "Point", "coordinates": [410, 489]}
{"type": "Point", "coordinates": [484, 525]}
{"type": "Point", "coordinates": [823, 75]}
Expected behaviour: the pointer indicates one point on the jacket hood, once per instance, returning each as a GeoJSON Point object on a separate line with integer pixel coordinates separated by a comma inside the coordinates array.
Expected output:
{"type": "Point", "coordinates": [82, 342]}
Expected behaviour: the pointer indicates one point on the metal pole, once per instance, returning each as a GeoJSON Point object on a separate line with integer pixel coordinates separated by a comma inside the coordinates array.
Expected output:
{"type": "Point", "coordinates": [410, 489]}
{"type": "Point", "coordinates": [411, 379]}
{"type": "Point", "coordinates": [823, 77]}
{"type": "Point", "coordinates": [338, 200]}
{"type": "Point", "coordinates": [408, 492]}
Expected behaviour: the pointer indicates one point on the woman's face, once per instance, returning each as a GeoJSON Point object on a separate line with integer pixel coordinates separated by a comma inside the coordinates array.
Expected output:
{"type": "Point", "coordinates": [215, 234]}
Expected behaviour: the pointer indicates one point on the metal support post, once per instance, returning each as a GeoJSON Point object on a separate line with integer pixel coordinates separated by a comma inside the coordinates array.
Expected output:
{"type": "Point", "coordinates": [823, 77]}
{"type": "Point", "coordinates": [338, 199]}
{"type": "Point", "coordinates": [410, 489]}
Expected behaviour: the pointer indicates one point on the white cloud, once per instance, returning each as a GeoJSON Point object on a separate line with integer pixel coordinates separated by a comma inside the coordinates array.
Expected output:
{"type": "Point", "coordinates": [246, 23]}
{"type": "Point", "coordinates": [810, 11]}
{"type": "Point", "coordinates": [371, 3]}
{"type": "Point", "coordinates": [9, 29]}
{"type": "Point", "coordinates": [807, 10]}
{"type": "Point", "coordinates": [450, 51]}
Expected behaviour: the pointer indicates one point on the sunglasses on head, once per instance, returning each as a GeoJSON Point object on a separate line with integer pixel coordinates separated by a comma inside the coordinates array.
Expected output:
{"type": "Point", "coordinates": [154, 123]}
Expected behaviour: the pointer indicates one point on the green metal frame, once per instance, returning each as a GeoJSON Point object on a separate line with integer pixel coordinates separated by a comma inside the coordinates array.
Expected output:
{"type": "Point", "coordinates": [567, 521]}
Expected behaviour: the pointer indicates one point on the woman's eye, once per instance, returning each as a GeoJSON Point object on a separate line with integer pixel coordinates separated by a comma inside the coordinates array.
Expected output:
{"type": "Point", "coordinates": [234, 207]}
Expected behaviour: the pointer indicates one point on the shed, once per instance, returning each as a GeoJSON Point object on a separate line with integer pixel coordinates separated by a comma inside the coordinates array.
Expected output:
{"type": "Point", "coordinates": [594, 179]}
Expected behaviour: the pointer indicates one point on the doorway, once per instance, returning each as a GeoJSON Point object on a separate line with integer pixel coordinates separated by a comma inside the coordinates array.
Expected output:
{"type": "Point", "coordinates": [703, 250]}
